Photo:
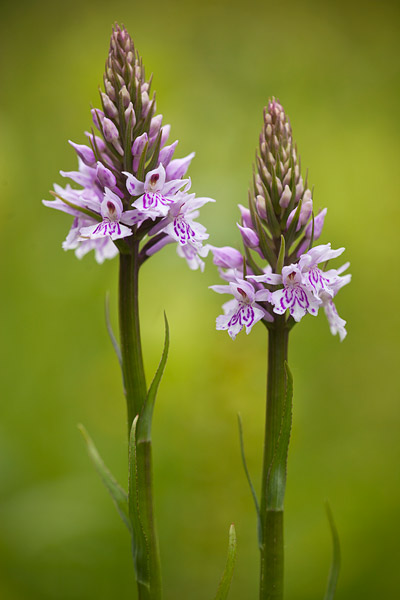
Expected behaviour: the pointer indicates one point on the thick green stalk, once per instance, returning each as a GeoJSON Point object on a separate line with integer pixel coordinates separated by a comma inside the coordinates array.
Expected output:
{"type": "Point", "coordinates": [135, 392]}
{"type": "Point", "coordinates": [271, 572]}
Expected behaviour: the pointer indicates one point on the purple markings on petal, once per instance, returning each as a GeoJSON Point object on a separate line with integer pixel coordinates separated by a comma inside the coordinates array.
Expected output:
{"type": "Point", "coordinates": [183, 231]}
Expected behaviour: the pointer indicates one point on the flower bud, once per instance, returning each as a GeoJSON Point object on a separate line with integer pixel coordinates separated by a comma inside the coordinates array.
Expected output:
{"type": "Point", "coordinates": [105, 177]}
{"type": "Point", "coordinates": [318, 225]}
{"type": "Point", "coordinates": [139, 144]}
{"type": "Point", "coordinates": [261, 207]}
{"type": "Point", "coordinates": [226, 257]}
{"type": "Point", "coordinates": [155, 126]}
{"type": "Point", "coordinates": [124, 97]}
{"type": "Point", "coordinates": [110, 131]}
{"type": "Point", "coordinates": [177, 168]}
{"type": "Point", "coordinates": [246, 216]}
{"type": "Point", "coordinates": [305, 211]}
{"type": "Point", "coordinates": [110, 90]}
{"type": "Point", "coordinates": [166, 154]}
{"type": "Point", "coordinates": [109, 107]}
{"type": "Point", "coordinates": [98, 117]}
{"type": "Point", "coordinates": [130, 114]}
{"type": "Point", "coordinates": [285, 197]}
{"type": "Point", "coordinates": [250, 238]}
{"type": "Point", "coordinates": [165, 134]}
{"type": "Point", "coordinates": [84, 153]}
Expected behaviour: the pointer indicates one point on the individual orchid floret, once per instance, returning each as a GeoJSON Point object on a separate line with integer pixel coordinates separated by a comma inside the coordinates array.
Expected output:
{"type": "Point", "coordinates": [155, 194]}
{"type": "Point", "coordinates": [182, 226]}
{"type": "Point", "coordinates": [315, 279]}
{"type": "Point", "coordinates": [294, 296]}
{"type": "Point", "coordinates": [280, 227]}
{"type": "Point", "coordinates": [242, 310]}
{"type": "Point", "coordinates": [112, 213]}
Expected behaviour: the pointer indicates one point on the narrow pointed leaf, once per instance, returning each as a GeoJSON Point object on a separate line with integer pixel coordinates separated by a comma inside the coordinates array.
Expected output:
{"type": "Point", "coordinates": [118, 494]}
{"type": "Point", "coordinates": [140, 549]}
{"type": "Point", "coordinates": [154, 159]}
{"type": "Point", "coordinates": [276, 482]}
{"type": "Point", "coordinates": [312, 234]}
{"type": "Point", "coordinates": [281, 257]}
{"type": "Point", "coordinates": [85, 211]}
{"type": "Point", "coordinates": [225, 582]}
{"type": "Point", "coordinates": [335, 565]}
{"type": "Point", "coordinates": [251, 262]}
{"type": "Point", "coordinates": [246, 470]}
{"type": "Point", "coordinates": [144, 425]}
{"type": "Point", "coordinates": [143, 158]}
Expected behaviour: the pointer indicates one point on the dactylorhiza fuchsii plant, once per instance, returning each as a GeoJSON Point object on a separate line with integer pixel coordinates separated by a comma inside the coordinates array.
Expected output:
{"type": "Point", "coordinates": [279, 279]}
{"type": "Point", "coordinates": [134, 198]}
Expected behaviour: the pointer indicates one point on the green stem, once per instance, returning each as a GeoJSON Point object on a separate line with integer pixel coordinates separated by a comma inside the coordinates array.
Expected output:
{"type": "Point", "coordinates": [271, 571]}
{"type": "Point", "coordinates": [135, 393]}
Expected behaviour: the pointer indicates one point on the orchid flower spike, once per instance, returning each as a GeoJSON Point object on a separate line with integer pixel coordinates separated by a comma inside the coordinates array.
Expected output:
{"type": "Point", "coordinates": [278, 231]}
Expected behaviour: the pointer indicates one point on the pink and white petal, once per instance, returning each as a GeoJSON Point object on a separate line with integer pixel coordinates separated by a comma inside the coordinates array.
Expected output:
{"type": "Point", "coordinates": [221, 289]}
{"type": "Point", "coordinates": [336, 323]}
{"type": "Point", "coordinates": [297, 311]}
{"type": "Point", "coordinates": [104, 249]}
{"type": "Point", "coordinates": [155, 179]}
{"type": "Point", "coordinates": [222, 321]}
{"type": "Point", "coordinates": [121, 232]}
{"type": "Point", "coordinates": [230, 307]}
{"type": "Point", "coordinates": [178, 167]}
{"type": "Point", "coordinates": [263, 296]}
{"type": "Point", "coordinates": [242, 290]}
{"type": "Point", "coordinates": [167, 153]}
{"type": "Point", "coordinates": [111, 207]}
{"type": "Point", "coordinates": [171, 187]}
{"type": "Point", "coordinates": [132, 217]}
{"type": "Point", "coordinates": [91, 232]}
{"type": "Point", "coordinates": [271, 278]}
{"type": "Point", "coordinates": [279, 301]}
{"type": "Point", "coordinates": [133, 185]}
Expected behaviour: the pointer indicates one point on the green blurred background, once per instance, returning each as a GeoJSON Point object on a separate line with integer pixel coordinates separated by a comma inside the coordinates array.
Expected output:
{"type": "Point", "coordinates": [335, 68]}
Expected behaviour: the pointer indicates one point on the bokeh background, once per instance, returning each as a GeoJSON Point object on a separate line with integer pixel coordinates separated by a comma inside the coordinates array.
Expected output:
{"type": "Point", "coordinates": [335, 68]}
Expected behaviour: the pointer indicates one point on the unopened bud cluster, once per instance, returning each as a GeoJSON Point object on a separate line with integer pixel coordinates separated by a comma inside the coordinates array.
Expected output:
{"type": "Point", "coordinates": [131, 185]}
{"type": "Point", "coordinates": [279, 227]}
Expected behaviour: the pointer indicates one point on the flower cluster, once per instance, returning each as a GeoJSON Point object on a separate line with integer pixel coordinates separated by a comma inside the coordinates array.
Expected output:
{"type": "Point", "coordinates": [280, 228]}
{"type": "Point", "coordinates": [131, 186]}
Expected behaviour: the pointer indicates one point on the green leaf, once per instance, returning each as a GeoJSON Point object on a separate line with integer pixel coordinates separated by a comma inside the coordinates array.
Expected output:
{"type": "Point", "coordinates": [140, 549]}
{"type": "Point", "coordinates": [335, 565]}
{"type": "Point", "coordinates": [312, 234]}
{"type": "Point", "coordinates": [142, 161]}
{"type": "Point", "coordinates": [110, 329]}
{"type": "Point", "coordinates": [276, 482]}
{"type": "Point", "coordinates": [144, 425]}
{"type": "Point", "coordinates": [225, 583]}
{"type": "Point", "coordinates": [118, 494]}
{"type": "Point", "coordinates": [253, 491]}
{"type": "Point", "coordinates": [281, 257]}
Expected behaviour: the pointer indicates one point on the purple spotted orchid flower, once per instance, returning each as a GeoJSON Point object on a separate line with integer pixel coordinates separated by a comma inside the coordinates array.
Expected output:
{"type": "Point", "coordinates": [129, 178]}
{"type": "Point", "coordinates": [156, 195]}
{"type": "Point", "coordinates": [279, 227]}
{"type": "Point", "coordinates": [242, 311]}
